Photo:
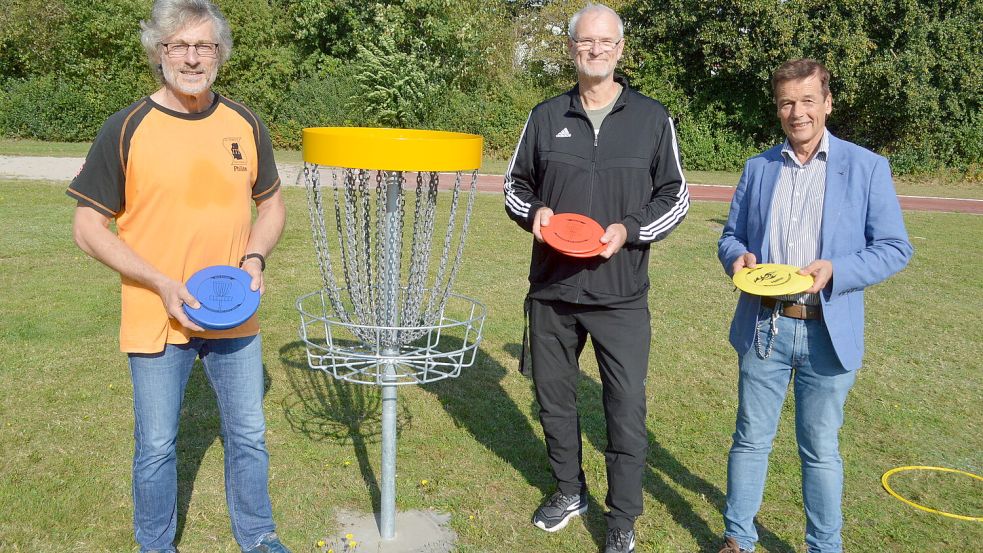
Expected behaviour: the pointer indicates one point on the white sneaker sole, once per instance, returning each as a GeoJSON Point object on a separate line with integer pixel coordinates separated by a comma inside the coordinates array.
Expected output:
{"type": "Point", "coordinates": [563, 523]}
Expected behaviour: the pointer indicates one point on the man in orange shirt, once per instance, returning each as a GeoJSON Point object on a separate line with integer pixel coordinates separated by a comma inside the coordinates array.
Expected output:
{"type": "Point", "coordinates": [178, 170]}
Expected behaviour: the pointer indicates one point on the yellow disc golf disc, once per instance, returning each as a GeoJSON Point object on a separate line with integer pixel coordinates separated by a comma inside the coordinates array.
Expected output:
{"type": "Point", "coordinates": [772, 279]}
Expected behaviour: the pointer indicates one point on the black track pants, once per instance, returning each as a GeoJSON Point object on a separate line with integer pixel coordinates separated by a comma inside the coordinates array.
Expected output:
{"type": "Point", "coordinates": [621, 337]}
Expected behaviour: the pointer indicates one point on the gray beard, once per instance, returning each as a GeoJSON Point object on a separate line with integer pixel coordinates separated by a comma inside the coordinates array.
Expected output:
{"type": "Point", "coordinates": [172, 76]}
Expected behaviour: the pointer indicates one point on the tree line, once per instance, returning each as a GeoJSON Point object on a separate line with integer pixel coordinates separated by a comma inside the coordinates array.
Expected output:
{"type": "Point", "coordinates": [907, 74]}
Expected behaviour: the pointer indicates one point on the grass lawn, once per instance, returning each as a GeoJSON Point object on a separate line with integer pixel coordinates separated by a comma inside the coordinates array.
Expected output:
{"type": "Point", "coordinates": [25, 147]}
{"type": "Point", "coordinates": [66, 430]}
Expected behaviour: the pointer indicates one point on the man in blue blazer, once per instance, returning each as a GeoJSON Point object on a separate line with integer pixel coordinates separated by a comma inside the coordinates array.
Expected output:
{"type": "Point", "coordinates": [828, 206]}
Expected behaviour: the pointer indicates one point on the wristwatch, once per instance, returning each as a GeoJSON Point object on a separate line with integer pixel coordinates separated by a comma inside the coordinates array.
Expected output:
{"type": "Point", "coordinates": [259, 256]}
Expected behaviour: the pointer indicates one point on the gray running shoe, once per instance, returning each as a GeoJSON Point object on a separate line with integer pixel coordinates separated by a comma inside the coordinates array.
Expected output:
{"type": "Point", "coordinates": [620, 541]}
{"type": "Point", "coordinates": [556, 512]}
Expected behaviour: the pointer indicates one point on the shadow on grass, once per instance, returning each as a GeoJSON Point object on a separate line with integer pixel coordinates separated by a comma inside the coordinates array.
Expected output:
{"type": "Point", "coordinates": [323, 408]}
{"type": "Point", "coordinates": [200, 427]}
{"type": "Point", "coordinates": [479, 403]}
{"type": "Point", "coordinates": [661, 466]}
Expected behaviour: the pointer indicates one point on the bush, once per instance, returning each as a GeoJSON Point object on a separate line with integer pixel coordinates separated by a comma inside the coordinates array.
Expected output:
{"type": "Point", "coordinates": [317, 100]}
{"type": "Point", "coordinates": [707, 145]}
{"type": "Point", "coordinates": [959, 148]}
{"type": "Point", "coordinates": [497, 114]}
{"type": "Point", "coordinates": [52, 107]}
{"type": "Point", "coordinates": [905, 75]}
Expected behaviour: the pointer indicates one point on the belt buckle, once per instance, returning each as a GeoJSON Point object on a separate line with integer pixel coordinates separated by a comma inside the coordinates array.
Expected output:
{"type": "Point", "coordinates": [801, 311]}
{"type": "Point", "coordinates": [795, 311]}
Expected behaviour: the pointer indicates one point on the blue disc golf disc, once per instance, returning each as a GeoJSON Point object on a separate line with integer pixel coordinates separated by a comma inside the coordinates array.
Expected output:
{"type": "Point", "coordinates": [225, 298]}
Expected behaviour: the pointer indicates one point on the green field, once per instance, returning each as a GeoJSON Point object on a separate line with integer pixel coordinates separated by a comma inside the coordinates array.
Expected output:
{"type": "Point", "coordinates": [66, 430]}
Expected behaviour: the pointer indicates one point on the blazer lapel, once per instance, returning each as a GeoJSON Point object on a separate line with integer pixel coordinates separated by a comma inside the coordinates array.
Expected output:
{"type": "Point", "coordinates": [769, 179]}
{"type": "Point", "coordinates": [837, 179]}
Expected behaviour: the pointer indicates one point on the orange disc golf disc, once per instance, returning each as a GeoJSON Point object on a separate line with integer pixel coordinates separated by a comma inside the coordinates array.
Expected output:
{"type": "Point", "coordinates": [574, 235]}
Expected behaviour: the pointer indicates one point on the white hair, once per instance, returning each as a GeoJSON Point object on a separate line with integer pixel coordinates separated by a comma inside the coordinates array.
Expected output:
{"type": "Point", "coordinates": [167, 17]}
{"type": "Point", "coordinates": [592, 8]}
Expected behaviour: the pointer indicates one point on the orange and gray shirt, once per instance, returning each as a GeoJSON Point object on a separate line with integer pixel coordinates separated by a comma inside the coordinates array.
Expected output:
{"type": "Point", "coordinates": [180, 187]}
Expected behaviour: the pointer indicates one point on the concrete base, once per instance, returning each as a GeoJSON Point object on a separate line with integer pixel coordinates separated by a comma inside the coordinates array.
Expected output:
{"type": "Point", "coordinates": [416, 532]}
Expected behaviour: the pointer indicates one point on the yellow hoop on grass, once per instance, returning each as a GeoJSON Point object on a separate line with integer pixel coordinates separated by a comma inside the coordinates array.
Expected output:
{"type": "Point", "coordinates": [392, 149]}
{"type": "Point", "coordinates": [887, 487]}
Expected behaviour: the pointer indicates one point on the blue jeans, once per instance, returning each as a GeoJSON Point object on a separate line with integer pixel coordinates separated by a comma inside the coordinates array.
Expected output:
{"type": "Point", "coordinates": [235, 370]}
{"type": "Point", "coordinates": [803, 354]}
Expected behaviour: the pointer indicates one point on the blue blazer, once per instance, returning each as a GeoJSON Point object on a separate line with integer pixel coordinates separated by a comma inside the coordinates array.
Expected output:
{"type": "Point", "coordinates": [863, 235]}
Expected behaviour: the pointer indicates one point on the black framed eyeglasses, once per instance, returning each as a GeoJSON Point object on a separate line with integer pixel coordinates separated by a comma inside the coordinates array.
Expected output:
{"type": "Point", "coordinates": [180, 49]}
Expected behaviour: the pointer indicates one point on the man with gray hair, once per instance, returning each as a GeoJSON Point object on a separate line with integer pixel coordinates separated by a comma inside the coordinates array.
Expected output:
{"type": "Point", "coordinates": [607, 152]}
{"type": "Point", "coordinates": [178, 171]}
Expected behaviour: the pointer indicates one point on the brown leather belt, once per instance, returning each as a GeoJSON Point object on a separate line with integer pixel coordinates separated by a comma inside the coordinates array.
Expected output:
{"type": "Point", "coordinates": [794, 310]}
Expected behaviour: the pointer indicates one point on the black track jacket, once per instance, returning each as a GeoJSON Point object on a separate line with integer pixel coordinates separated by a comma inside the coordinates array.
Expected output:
{"type": "Point", "coordinates": [631, 174]}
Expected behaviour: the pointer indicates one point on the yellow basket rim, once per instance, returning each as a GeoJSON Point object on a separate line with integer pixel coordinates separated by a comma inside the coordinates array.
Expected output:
{"type": "Point", "coordinates": [387, 149]}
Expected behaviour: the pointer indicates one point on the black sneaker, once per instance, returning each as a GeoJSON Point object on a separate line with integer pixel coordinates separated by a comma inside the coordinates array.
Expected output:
{"type": "Point", "coordinates": [620, 541]}
{"type": "Point", "coordinates": [556, 512]}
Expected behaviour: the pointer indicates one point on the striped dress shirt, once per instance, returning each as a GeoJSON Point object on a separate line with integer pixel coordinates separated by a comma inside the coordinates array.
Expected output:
{"type": "Point", "coordinates": [797, 212]}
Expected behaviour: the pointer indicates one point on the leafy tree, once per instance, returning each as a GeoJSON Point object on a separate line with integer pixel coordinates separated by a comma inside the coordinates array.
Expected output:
{"type": "Point", "coordinates": [393, 87]}
{"type": "Point", "coordinates": [906, 74]}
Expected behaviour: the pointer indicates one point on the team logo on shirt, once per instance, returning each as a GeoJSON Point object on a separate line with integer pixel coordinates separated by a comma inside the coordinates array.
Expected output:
{"type": "Point", "coordinates": [233, 146]}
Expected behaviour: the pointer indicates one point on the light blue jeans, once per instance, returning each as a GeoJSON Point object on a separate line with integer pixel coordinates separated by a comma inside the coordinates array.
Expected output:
{"type": "Point", "coordinates": [235, 370]}
{"type": "Point", "coordinates": [803, 354]}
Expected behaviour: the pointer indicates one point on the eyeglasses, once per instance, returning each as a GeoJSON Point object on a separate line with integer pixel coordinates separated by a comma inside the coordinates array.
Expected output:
{"type": "Point", "coordinates": [180, 49]}
{"type": "Point", "coordinates": [605, 44]}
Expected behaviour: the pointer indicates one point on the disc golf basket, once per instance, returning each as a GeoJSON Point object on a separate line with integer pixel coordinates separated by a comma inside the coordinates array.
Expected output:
{"type": "Point", "coordinates": [386, 314]}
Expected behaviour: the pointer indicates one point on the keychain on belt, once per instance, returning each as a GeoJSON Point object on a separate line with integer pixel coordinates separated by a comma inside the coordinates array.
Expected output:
{"type": "Point", "coordinates": [772, 332]}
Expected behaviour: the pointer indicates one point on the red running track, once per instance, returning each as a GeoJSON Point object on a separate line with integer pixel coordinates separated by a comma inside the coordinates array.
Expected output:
{"type": "Point", "coordinates": [709, 193]}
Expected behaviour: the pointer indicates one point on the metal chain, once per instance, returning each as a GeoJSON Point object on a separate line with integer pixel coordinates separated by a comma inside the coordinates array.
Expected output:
{"type": "Point", "coordinates": [772, 333]}
{"type": "Point", "coordinates": [390, 252]}
{"type": "Point", "coordinates": [368, 251]}
{"type": "Point", "coordinates": [445, 252]}
{"type": "Point", "coordinates": [380, 203]}
{"type": "Point", "coordinates": [441, 288]}
{"type": "Point", "coordinates": [340, 311]}
{"type": "Point", "coordinates": [459, 256]}
{"type": "Point", "coordinates": [362, 284]}
{"type": "Point", "coordinates": [421, 247]}
{"type": "Point", "coordinates": [396, 242]}
{"type": "Point", "coordinates": [342, 200]}
{"type": "Point", "coordinates": [315, 206]}
{"type": "Point", "coordinates": [368, 289]}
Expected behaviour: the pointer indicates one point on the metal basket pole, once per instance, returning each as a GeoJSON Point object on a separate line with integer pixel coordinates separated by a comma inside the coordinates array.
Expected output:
{"type": "Point", "coordinates": [391, 250]}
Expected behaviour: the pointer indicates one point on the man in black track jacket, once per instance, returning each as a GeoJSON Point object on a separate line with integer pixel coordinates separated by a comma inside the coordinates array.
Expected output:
{"type": "Point", "coordinates": [608, 152]}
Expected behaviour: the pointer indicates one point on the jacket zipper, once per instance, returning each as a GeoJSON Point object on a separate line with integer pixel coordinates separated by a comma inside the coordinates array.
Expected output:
{"type": "Point", "coordinates": [590, 196]}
